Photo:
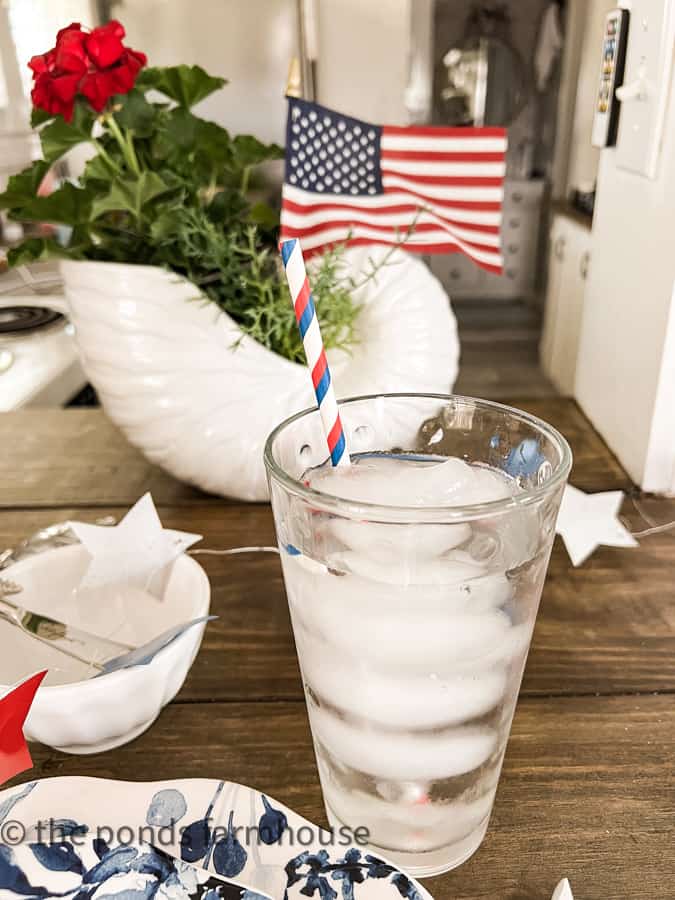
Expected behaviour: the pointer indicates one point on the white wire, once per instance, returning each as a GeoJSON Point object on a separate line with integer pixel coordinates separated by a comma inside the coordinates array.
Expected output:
{"type": "Point", "coordinates": [656, 529]}
{"type": "Point", "coordinates": [233, 551]}
{"type": "Point", "coordinates": [647, 518]}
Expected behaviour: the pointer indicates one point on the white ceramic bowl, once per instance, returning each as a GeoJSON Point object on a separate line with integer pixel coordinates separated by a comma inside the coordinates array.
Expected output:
{"type": "Point", "coordinates": [89, 716]}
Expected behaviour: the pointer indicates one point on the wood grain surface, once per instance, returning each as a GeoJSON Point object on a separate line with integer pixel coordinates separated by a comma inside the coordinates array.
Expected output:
{"type": "Point", "coordinates": [605, 627]}
{"type": "Point", "coordinates": [77, 457]}
{"type": "Point", "coordinates": [588, 788]}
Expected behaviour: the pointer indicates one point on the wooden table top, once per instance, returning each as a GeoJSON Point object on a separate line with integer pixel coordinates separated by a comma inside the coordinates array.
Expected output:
{"type": "Point", "coordinates": [588, 786]}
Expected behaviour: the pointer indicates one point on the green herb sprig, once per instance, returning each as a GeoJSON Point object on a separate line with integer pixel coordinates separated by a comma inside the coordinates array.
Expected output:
{"type": "Point", "coordinates": [168, 188]}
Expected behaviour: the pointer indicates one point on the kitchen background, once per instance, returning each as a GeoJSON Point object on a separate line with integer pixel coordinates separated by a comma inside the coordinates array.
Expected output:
{"type": "Point", "coordinates": [541, 328]}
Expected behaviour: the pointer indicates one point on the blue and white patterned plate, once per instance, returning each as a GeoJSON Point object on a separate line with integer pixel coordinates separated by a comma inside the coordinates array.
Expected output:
{"type": "Point", "coordinates": [97, 839]}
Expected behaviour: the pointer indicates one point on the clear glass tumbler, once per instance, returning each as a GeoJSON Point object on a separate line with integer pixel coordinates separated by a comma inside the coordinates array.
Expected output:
{"type": "Point", "coordinates": [413, 622]}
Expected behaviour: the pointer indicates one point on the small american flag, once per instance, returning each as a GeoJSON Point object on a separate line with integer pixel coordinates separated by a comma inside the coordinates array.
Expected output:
{"type": "Point", "coordinates": [439, 188]}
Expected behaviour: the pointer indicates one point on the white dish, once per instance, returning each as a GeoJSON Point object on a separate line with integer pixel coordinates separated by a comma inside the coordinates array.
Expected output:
{"type": "Point", "coordinates": [72, 711]}
{"type": "Point", "coordinates": [252, 838]}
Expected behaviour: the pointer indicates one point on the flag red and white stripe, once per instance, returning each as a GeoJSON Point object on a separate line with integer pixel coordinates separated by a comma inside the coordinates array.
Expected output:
{"type": "Point", "coordinates": [440, 188]}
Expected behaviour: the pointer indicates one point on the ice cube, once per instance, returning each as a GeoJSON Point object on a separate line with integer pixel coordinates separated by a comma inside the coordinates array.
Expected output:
{"type": "Point", "coordinates": [507, 652]}
{"type": "Point", "coordinates": [402, 639]}
{"type": "Point", "coordinates": [487, 592]}
{"type": "Point", "coordinates": [383, 542]}
{"type": "Point", "coordinates": [397, 570]}
{"type": "Point", "coordinates": [360, 597]}
{"type": "Point", "coordinates": [394, 701]}
{"type": "Point", "coordinates": [403, 756]}
{"type": "Point", "coordinates": [523, 537]}
{"type": "Point", "coordinates": [389, 482]}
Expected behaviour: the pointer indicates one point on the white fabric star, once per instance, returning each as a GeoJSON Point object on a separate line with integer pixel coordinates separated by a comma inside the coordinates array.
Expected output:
{"type": "Point", "coordinates": [563, 891]}
{"type": "Point", "coordinates": [586, 521]}
{"type": "Point", "coordinates": [136, 552]}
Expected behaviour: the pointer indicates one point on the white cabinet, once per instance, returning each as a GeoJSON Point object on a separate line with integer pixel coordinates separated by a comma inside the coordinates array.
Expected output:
{"type": "Point", "coordinates": [569, 261]}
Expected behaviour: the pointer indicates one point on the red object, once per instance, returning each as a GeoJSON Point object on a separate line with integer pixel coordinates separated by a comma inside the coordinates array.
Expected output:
{"type": "Point", "coordinates": [354, 182]}
{"type": "Point", "coordinates": [93, 64]}
{"type": "Point", "coordinates": [14, 708]}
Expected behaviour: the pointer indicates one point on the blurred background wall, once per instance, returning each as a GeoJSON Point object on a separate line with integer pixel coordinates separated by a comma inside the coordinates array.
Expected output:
{"type": "Point", "coordinates": [248, 43]}
{"type": "Point", "coordinates": [362, 47]}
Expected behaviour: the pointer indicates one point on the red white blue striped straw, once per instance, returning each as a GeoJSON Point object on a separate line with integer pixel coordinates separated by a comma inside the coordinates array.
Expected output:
{"type": "Point", "coordinates": [308, 323]}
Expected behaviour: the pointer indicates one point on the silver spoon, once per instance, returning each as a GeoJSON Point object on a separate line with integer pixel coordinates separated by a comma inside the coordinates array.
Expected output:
{"type": "Point", "coordinates": [102, 654]}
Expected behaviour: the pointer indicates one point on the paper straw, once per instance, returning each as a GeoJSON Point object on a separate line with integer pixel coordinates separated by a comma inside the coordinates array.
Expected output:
{"type": "Point", "coordinates": [308, 323]}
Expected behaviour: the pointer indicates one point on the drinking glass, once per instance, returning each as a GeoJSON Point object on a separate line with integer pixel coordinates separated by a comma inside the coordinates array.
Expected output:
{"type": "Point", "coordinates": [413, 623]}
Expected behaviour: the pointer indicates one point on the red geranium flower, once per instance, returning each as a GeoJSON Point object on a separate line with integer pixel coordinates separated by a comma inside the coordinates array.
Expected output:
{"type": "Point", "coordinates": [99, 86]}
{"type": "Point", "coordinates": [94, 64]}
{"type": "Point", "coordinates": [104, 44]}
{"type": "Point", "coordinates": [69, 53]}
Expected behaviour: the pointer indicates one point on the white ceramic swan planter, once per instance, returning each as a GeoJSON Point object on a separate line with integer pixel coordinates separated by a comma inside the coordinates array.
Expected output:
{"type": "Point", "coordinates": [167, 371]}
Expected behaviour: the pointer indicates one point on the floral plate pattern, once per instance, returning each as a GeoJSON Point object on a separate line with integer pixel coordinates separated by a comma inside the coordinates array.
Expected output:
{"type": "Point", "coordinates": [198, 839]}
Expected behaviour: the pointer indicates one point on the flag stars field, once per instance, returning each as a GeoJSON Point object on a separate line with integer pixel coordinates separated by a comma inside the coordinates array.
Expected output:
{"type": "Point", "coordinates": [441, 187]}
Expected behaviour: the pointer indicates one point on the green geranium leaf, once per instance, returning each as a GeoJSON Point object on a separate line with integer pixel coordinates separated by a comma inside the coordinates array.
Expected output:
{"type": "Point", "coordinates": [130, 194]}
{"type": "Point", "coordinates": [196, 149]}
{"type": "Point", "coordinates": [60, 136]}
{"type": "Point", "coordinates": [164, 225]}
{"type": "Point", "coordinates": [23, 188]}
{"type": "Point", "coordinates": [36, 250]}
{"type": "Point", "coordinates": [228, 205]}
{"type": "Point", "coordinates": [39, 117]}
{"type": "Point", "coordinates": [168, 188]}
{"type": "Point", "coordinates": [96, 169]}
{"type": "Point", "coordinates": [181, 128]}
{"type": "Point", "coordinates": [263, 215]}
{"type": "Point", "coordinates": [80, 240]}
{"type": "Point", "coordinates": [69, 205]}
{"type": "Point", "coordinates": [214, 143]}
{"type": "Point", "coordinates": [249, 151]}
{"type": "Point", "coordinates": [186, 85]}
{"type": "Point", "coordinates": [136, 114]}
